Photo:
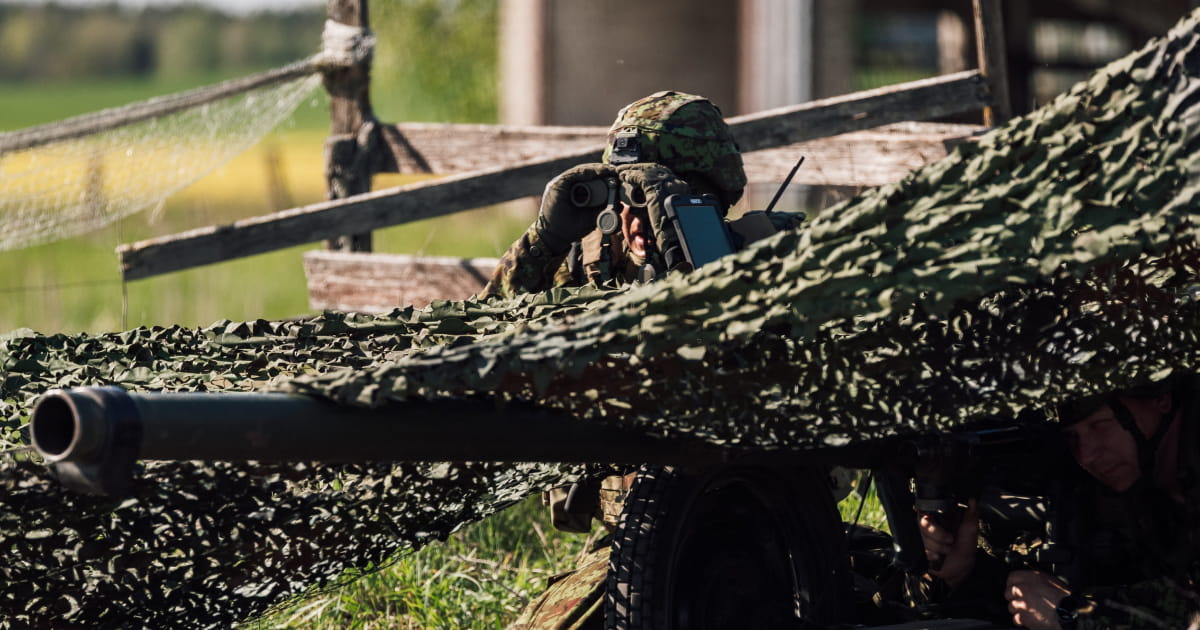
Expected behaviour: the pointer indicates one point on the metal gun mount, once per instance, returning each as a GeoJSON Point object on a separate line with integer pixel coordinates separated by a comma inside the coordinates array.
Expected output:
{"type": "Point", "coordinates": [93, 436]}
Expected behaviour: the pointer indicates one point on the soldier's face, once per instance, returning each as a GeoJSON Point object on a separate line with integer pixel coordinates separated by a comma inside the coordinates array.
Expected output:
{"type": "Point", "coordinates": [635, 227]}
{"type": "Point", "coordinates": [1105, 449]}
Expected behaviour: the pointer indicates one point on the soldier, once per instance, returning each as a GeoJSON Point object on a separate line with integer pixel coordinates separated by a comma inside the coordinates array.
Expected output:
{"type": "Point", "coordinates": [665, 143]}
{"type": "Point", "coordinates": [1141, 455]}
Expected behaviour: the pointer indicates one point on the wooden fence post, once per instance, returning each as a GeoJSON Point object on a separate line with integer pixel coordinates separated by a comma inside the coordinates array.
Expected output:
{"type": "Point", "coordinates": [989, 47]}
{"type": "Point", "coordinates": [354, 134]}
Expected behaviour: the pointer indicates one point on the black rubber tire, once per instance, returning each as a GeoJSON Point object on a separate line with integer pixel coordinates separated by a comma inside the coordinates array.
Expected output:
{"type": "Point", "coordinates": [736, 547]}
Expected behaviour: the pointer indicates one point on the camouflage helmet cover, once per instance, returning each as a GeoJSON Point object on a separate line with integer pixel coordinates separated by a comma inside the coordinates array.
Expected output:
{"type": "Point", "coordinates": [687, 134]}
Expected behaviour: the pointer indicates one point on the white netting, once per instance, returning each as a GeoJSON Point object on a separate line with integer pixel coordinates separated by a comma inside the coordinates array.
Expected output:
{"type": "Point", "coordinates": [57, 182]}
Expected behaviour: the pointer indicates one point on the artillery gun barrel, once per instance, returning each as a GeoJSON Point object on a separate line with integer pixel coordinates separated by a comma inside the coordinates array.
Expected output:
{"type": "Point", "coordinates": [93, 436]}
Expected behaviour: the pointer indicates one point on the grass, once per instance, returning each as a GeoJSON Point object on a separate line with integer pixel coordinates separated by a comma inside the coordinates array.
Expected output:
{"type": "Point", "coordinates": [480, 578]}
{"type": "Point", "coordinates": [75, 285]}
{"type": "Point", "coordinates": [482, 575]}
{"type": "Point", "coordinates": [862, 506]}
{"type": "Point", "coordinates": [26, 104]}
{"type": "Point", "coordinates": [874, 77]}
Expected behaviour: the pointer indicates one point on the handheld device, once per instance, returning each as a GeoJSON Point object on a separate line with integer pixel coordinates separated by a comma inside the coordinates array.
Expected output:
{"type": "Point", "coordinates": [702, 234]}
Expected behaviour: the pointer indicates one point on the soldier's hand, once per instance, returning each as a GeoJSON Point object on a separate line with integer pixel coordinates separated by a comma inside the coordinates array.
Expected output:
{"type": "Point", "coordinates": [1033, 599]}
{"type": "Point", "coordinates": [956, 549]}
{"type": "Point", "coordinates": [646, 186]}
{"type": "Point", "coordinates": [570, 205]}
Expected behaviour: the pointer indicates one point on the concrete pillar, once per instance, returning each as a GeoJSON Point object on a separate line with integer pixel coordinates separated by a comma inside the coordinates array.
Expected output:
{"type": "Point", "coordinates": [588, 59]}
{"type": "Point", "coordinates": [522, 61]}
{"type": "Point", "coordinates": [953, 43]}
{"type": "Point", "coordinates": [776, 53]}
{"type": "Point", "coordinates": [833, 46]}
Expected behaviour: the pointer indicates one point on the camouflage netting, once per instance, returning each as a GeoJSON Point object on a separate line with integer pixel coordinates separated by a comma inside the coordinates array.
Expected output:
{"type": "Point", "coordinates": [1058, 255]}
{"type": "Point", "coordinates": [996, 280]}
{"type": "Point", "coordinates": [204, 545]}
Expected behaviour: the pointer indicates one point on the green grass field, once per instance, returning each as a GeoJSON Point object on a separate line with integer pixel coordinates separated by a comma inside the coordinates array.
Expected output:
{"type": "Point", "coordinates": [75, 285]}
{"type": "Point", "coordinates": [480, 578]}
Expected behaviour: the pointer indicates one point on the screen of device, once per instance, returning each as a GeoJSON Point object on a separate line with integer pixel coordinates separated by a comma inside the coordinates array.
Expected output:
{"type": "Point", "coordinates": [703, 232]}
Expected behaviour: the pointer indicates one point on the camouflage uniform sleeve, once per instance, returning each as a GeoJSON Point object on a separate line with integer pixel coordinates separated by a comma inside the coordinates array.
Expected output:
{"type": "Point", "coordinates": [1158, 603]}
{"type": "Point", "coordinates": [527, 267]}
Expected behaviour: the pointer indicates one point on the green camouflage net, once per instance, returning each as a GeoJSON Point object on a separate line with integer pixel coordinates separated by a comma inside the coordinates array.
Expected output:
{"type": "Point", "coordinates": [1055, 257]}
{"type": "Point", "coordinates": [900, 310]}
{"type": "Point", "coordinates": [205, 545]}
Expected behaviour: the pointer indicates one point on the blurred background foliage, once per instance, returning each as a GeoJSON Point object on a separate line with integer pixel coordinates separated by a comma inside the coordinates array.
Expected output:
{"type": "Point", "coordinates": [60, 42]}
{"type": "Point", "coordinates": [435, 59]}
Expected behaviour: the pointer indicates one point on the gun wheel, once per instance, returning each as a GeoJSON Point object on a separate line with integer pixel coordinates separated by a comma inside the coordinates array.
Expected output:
{"type": "Point", "coordinates": [738, 547]}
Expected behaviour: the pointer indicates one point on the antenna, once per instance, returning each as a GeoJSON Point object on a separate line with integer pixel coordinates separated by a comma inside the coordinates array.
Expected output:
{"type": "Point", "coordinates": [787, 180]}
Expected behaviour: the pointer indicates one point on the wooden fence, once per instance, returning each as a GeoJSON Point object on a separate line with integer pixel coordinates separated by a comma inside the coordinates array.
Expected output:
{"type": "Point", "coordinates": [861, 139]}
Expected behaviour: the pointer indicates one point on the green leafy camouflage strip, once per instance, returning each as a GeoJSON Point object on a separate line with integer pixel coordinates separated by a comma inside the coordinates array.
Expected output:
{"type": "Point", "coordinates": [789, 343]}
{"type": "Point", "coordinates": [1057, 256]}
{"type": "Point", "coordinates": [205, 545]}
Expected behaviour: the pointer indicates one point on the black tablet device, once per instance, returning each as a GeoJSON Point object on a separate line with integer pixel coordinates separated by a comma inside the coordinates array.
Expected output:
{"type": "Point", "coordinates": [702, 232]}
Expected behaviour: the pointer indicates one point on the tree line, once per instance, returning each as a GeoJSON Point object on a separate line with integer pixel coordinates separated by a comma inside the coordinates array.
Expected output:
{"type": "Point", "coordinates": [57, 42]}
{"type": "Point", "coordinates": [434, 60]}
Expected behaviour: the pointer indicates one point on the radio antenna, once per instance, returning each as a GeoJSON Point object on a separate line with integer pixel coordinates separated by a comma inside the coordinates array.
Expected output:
{"type": "Point", "coordinates": [787, 180]}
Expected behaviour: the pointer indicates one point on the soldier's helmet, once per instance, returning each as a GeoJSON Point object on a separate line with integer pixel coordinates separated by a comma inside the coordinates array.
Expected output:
{"type": "Point", "coordinates": [1073, 411]}
{"type": "Point", "coordinates": [683, 132]}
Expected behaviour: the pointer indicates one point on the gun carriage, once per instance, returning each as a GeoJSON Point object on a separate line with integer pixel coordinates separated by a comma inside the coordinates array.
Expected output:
{"type": "Point", "coordinates": [758, 513]}
{"type": "Point", "coordinates": [764, 521]}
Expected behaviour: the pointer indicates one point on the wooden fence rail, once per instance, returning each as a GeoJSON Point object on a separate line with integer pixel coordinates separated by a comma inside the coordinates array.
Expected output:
{"type": "Point", "coordinates": [918, 100]}
{"type": "Point", "coordinates": [859, 158]}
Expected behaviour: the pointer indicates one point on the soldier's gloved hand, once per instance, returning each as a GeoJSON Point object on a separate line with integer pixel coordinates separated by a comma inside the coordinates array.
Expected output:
{"type": "Point", "coordinates": [956, 550]}
{"type": "Point", "coordinates": [647, 185]}
{"type": "Point", "coordinates": [570, 205]}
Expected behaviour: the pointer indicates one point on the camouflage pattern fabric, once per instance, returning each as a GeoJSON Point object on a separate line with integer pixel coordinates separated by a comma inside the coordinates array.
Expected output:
{"type": "Point", "coordinates": [522, 271]}
{"type": "Point", "coordinates": [1054, 258]}
{"type": "Point", "coordinates": [574, 601]}
{"type": "Point", "coordinates": [786, 342]}
{"type": "Point", "coordinates": [204, 545]}
{"type": "Point", "coordinates": [685, 133]}
{"type": "Point", "coordinates": [527, 267]}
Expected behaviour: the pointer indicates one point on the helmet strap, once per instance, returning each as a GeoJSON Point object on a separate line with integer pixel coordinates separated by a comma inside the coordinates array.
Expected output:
{"type": "Point", "coordinates": [1147, 447]}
